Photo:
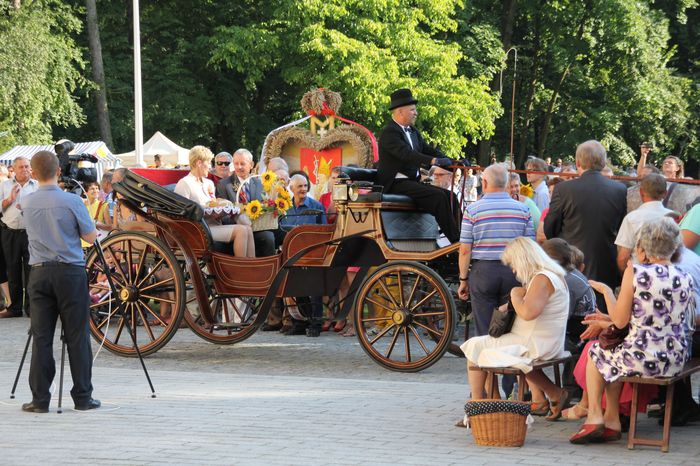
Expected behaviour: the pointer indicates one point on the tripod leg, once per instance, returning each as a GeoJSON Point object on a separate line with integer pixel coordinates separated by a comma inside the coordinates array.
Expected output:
{"type": "Point", "coordinates": [21, 363]}
{"type": "Point", "coordinates": [60, 381]}
{"type": "Point", "coordinates": [120, 306]}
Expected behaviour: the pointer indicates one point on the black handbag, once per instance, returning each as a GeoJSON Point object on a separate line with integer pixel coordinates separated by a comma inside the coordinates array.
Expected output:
{"type": "Point", "coordinates": [502, 321]}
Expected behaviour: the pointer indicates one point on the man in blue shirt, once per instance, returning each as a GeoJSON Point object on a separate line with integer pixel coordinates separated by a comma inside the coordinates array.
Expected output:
{"type": "Point", "coordinates": [55, 222]}
{"type": "Point", "coordinates": [302, 203]}
{"type": "Point", "coordinates": [295, 216]}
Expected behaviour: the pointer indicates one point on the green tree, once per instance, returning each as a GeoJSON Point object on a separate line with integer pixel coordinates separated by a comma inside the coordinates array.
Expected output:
{"type": "Point", "coordinates": [40, 70]}
{"type": "Point", "coordinates": [365, 50]}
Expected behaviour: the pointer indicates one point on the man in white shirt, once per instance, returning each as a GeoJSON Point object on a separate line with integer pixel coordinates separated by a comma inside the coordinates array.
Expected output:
{"type": "Point", "coordinates": [538, 182]}
{"type": "Point", "coordinates": [14, 235]}
{"type": "Point", "coordinates": [652, 190]}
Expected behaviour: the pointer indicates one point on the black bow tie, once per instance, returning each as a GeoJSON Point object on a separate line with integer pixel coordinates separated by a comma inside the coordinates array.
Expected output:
{"type": "Point", "coordinates": [408, 129]}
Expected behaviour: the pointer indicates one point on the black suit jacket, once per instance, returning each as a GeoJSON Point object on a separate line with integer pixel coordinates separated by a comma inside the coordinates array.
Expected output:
{"type": "Point", "coordinates": [397, 156]}
{"type": "Point", "coordinates": [587, 212]}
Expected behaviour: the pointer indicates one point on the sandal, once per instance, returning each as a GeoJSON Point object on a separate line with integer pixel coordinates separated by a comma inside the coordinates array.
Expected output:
{"type": "Point", "coordinates": [569, 414]}
{"type": "Point", "coordinates": [608, 435]}
{"type": "Point", "coordinates": [558, 406]}
{"type": "Point", "coordinates": [540, 408]}
{"type": "Point", "coordinates": [349, 332]}
{"type": "Point", "coordinates": [587, 433]}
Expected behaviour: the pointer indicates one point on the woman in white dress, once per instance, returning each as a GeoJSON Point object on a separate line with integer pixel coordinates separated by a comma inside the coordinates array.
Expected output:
{"type": "Point", "coordinates": [200, 189]}
{"type": "Point", "coordinates": [542, 309]}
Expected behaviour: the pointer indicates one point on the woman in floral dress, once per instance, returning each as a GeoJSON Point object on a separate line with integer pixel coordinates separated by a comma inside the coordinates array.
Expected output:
{"type": "Point", "coordinates": [655, 299]}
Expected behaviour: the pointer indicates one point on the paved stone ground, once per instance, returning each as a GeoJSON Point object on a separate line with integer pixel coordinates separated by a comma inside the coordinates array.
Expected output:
{"type": "Point", "coordinates": [279, 400]}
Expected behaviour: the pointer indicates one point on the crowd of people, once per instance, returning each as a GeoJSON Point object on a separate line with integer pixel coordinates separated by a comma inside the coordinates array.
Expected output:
{"type": "Point", "coordinates": [554, 253]}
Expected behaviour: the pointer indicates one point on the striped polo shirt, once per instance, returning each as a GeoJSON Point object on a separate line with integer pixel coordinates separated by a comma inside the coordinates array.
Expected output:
{"type": "Point", "coordinates": [490, 223]}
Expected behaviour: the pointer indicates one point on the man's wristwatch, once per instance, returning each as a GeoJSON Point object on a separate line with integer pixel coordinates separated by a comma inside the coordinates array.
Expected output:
{"type": "Point", "coordinates": [463, 279]}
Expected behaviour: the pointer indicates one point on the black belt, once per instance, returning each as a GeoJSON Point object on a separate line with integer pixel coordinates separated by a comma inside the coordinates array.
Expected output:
{"type": "Point", "coordinates": [54, 264]}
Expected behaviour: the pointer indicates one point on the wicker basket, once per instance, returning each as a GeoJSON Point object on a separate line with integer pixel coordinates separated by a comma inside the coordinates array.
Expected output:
{"type": "Point", "coordinates": [495, 427]}
{"type": "Point", "coordinates": [267, 221]}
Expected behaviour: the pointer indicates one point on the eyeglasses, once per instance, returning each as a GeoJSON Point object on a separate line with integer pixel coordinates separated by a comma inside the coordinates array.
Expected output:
{"type": "Point", "coordinates": [226, 164]}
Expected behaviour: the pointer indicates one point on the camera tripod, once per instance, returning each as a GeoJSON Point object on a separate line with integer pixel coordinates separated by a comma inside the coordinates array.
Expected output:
{"type": "Point", "coordinates": [120, 310]}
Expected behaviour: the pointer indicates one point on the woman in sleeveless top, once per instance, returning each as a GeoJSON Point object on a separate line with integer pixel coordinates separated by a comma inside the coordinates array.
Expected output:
{"type": "Point", "coordinates": [656, 302]}
{"type": "Point", "coordinates": [542, 309]}
{"type": "Point", "coordinates": [200, 189]}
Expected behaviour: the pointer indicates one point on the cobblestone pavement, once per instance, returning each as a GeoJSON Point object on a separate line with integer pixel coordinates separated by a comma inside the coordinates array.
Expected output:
{"type": "Point", "coordinates": [279, 400]}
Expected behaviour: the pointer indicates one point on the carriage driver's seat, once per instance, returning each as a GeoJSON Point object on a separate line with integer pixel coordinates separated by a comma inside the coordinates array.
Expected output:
{"type": "Point", "coordinates": [406, 227]}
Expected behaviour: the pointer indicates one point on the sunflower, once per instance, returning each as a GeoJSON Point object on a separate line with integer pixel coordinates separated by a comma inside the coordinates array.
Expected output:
{"type": "Point", "coordinates": [254, 209]}
{"type": "Point", "coordinates": [283, 193]}
{"type": "Point", "coordinates": [268, 180]}
{"type": "Point", "coordinates": [283, 205]}
{"type": "Point", "coordinates": [527, 191]}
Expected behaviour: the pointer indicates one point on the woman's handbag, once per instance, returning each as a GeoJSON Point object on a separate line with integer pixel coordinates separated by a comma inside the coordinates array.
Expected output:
{"type": "Point", "coordinates": [612, 336]}
{"type": "Point", "coordinates": [502, 321]}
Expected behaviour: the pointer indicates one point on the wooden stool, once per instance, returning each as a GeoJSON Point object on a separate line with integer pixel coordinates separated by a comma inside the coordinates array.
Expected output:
{"type": "Point", "coordinates": [690, 368]}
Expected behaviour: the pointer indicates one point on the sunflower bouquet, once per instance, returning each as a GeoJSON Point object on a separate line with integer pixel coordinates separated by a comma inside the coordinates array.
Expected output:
{"type": "Point", "coordinates": [527, 190]}
{"type": "Point", "coordinates": [275, 201]}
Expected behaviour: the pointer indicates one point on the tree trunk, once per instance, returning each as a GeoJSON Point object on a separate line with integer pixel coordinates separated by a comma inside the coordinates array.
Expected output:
{"type": "Point", "coordinates": [530, 99]}
{"type": "Point", "coordinates": [507, 22]}
{"type": "Point", "coordinates": [98, 73]}
{"type": "Point", "coordinates": [546, 123]}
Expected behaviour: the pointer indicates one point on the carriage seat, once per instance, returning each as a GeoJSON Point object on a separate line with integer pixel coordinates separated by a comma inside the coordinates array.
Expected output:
{"type": "Point", "coordinates": [411, 230]}
{"type": "Point", "coordinates": [162, 199]}
{"type": "Point", "coordinates": [370, 175]}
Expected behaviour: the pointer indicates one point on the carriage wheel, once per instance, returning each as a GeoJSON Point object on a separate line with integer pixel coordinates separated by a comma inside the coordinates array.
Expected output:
{"type": "Point", "coordinates": [234, 318]}
{"type": "Point", "coordinates": [148, 278]}
{"type": "Point", "coordinates": [404, 316]}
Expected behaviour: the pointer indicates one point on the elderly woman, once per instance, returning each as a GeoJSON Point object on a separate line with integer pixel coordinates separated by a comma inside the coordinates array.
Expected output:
{"type": "Point", "coordinates": [198, 188]}
{"type": "Point", "coordinates": [672, 167]}
{"type": "Point", "coordinates": [541, 308]}
{"type": "Point", "coordinates": [654, 300]}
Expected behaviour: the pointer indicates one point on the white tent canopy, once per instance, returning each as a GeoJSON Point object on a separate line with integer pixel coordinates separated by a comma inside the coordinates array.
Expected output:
{"type": "Point", "coordinates": [105, 159]}
{"type": "Point", "coordinates": [170, 153]}
{"type": "Point", "coordinates": [97, 148]}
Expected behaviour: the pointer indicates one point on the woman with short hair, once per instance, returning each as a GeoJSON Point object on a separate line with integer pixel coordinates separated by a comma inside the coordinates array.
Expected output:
{"type": "Point", "coordinates": [655, 299]}
{"type": "Point", "coordinates": [200, 189]}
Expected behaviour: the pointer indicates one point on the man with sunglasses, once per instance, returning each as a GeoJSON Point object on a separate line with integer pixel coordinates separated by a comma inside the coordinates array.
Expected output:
{"type": "Point", "coordinates": [222, 166]}
{"type": "Point", "coordinates": [227, 188]}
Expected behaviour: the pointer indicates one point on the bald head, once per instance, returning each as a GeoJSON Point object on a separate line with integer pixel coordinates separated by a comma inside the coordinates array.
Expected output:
{"type": "Point", "coordinates": [496, 178]}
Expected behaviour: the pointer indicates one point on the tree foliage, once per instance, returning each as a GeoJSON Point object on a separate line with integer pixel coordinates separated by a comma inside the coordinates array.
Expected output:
{"type": "Point", "coordinates": [40, 72]}
{"type": "Point", "coordinates": [225, 73]}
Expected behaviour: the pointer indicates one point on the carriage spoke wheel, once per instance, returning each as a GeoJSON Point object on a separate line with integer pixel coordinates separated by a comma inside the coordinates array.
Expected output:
{"type": "Point", "coordinates": [404, 316]}
{"type": "Point", "coordinates": [234, 318]}
{"type": "Point", "coordinates": [150, 285]}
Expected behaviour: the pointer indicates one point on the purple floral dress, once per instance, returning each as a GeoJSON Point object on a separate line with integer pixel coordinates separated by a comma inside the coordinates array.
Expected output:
{"type": "Point", "coordinates": [656, 345]}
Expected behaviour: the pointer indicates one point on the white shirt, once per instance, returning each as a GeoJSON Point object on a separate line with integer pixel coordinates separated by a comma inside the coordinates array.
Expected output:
{"type": "Point", "coordinates": [198, 191]}
{"type": "Point", "coordinates": [12, 216]}
{"type": "Point", "coordinates": [652, 210]}
{"type": "Point", "coordinates": [541, 196]}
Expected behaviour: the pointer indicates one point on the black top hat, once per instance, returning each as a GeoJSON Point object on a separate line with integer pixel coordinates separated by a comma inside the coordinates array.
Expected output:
{"type": "Point", "coordinates": [401, 98]}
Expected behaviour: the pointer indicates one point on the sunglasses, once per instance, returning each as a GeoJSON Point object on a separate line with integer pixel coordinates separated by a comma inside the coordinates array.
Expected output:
{"type": "Point", "coordinates": [226, 164]}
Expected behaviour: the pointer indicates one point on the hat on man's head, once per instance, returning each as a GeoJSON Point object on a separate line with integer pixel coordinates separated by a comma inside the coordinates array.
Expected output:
{"type": "Point", "coordinates": [401, 98]}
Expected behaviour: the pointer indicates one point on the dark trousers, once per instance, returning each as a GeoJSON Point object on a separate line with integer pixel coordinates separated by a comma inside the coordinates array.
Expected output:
{"type": "Point", "coordinates": [437, 201]}
{"type": "Point", "coordinates": [490, 283]}
{"type": "Point", "coordinates": [60, 291]}
{"type": "Point", "coordinates": [15, 245]}
{"type": "Point", "coordinates": [264, 243]}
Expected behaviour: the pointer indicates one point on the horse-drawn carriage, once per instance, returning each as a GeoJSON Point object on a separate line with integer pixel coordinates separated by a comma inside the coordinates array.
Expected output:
{"type": "Point", "coordinates": [402, 306]}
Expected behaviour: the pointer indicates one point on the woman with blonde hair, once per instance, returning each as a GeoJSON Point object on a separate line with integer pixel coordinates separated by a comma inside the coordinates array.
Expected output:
{"type": "Point", "coordinates": [200, 189]}
{"type": "Point", "coordinates": [541, 311]}
{"type": "Point", "coordinates": [672, 167]}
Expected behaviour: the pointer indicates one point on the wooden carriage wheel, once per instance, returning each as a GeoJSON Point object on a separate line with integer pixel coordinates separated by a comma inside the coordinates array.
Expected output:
{"type": "Point", "coordinates": [234, 318]}
{"type": "Point", "coordinates": [404, 316]}
{"type": "Point", "coordinates": [149, 280]}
